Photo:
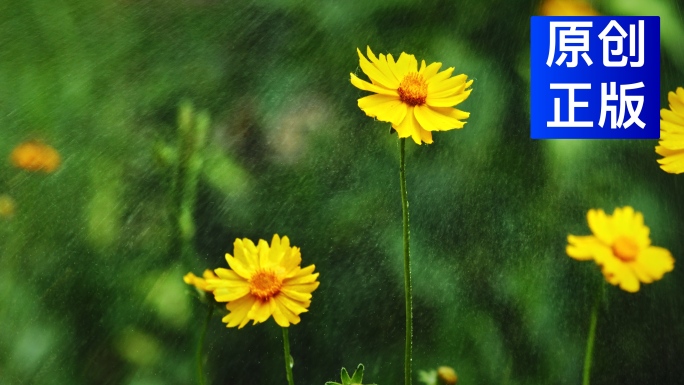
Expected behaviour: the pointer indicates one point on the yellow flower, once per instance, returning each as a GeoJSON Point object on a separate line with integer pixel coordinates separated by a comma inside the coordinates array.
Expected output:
{"type": "Point", "coordinates": [566, 8]}
{"type": "Point", "coordinates": [200, 283]}
{"type": "Point", "coordinates": [6, 206]}
{"type": "Point", "coordinates": [622, 247]}
{"type": "Point", "coordinates": [35, 156]}
{"type": "Point", "coordinates": [671, 145]}
{"type": "Point", "coordinates": [264, 281]}
{"type": "Point", "coordinates": [416, 101]}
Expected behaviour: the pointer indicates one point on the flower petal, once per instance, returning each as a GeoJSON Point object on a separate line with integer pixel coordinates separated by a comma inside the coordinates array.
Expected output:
{"type": "Point", "coordinates": [448, 101]}
{"type": "Point", "coordinates": [384, 107]}
{"type": "Point", "coordinates": [432, 120]}
{"type": "Point", "coordinates": [600, 225]}
{"type": "Point", "coordinates": [364, 85]}
{"type": "Point", "coordinates": [410, 127]}
{"type": "Point", "coordinates": [655, 262]}
{"type": "Point", "coordinates": [227, 294]}
{"type": "Point", "coordinates": [374, 73]}
{"type": "Point", "coordinates": [238, 312]}
{"type": "Point", "coordinates": [618, 273]}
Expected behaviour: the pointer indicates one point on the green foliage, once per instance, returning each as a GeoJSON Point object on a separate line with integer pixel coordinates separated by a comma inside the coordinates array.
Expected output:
{"type": "Point", "coordinates": [355, 379]}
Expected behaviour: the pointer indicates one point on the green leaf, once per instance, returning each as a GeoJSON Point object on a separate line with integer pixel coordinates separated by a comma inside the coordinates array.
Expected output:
{"type": "Point", "coordinates": [345, 377]}
{"type": "Point", "coordinates": [357, 378]}
{"type": "Point", "coordinates": [332, 383]}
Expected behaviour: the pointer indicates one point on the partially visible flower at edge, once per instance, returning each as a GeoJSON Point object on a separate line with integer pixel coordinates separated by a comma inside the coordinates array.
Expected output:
{"type": "Point", "coordinates": [620, 244]}
{"type": "Point", "coordinates": [7, 206]}
{"type": "Point", "coordinates": [671, 144]}
{"type": "Point", "coordinates": [566, 8]}
{"type": "Point", "coordinates": [200, 283]}
{"type": "Point", "coordinates": [264, 281]}
{"type": "Point", "coordinates": [415, 101]}
{"type": "Point", "coordinates": [35, 156]}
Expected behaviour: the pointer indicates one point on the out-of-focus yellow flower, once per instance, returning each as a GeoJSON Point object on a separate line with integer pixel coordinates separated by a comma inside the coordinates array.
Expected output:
{"type": "Point", "coordinates": [200, 283]}
{"type": "Point", "coordinates": [671, 145]}
{"type": "Point", "coordinates": [622, 247]}
{"type": "Point", "coordinates": [566, 8]}
{"type": "Point", "coordinates": [416, 101]}
{"type": "Point", "coordinates": [264, 281]}
{"type": "Point", "coordinates": [447, 375]}
{"type": "Point", "coordinates": [35, 156]}
{"type": "Point", "coordinates": [7, 206]}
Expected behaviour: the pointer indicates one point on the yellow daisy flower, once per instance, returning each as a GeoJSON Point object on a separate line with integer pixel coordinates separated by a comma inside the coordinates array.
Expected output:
{"type": "Point", "coordinates": [200, 283]}
{"type": "Point", "coordinates": [35, 156]}
{"type": "Point", "coordinates": [622, 247]}
{"type": "Point", "coordinates": [264, 281]}
{"type": "Point", "coordinates": [416, 101]}
{"type": "Point", "coordinates": [566, 8]}
{"type": "Point", "coordinates": [671, 145]}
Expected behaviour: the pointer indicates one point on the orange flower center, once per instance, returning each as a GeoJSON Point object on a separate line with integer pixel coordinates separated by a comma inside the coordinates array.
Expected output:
{"type": "Point", "coordinates": [413, 89]}
{"type": "Point", "coordinates": [625, 249]}
{"type": "Point", "coordinates": [264, 284]}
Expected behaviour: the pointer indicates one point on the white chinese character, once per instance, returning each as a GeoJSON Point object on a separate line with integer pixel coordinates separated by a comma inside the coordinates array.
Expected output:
{"type": "Point", "coordinates": [618, 40]}
{"type": "Point", "coordinates": [571, 40]}
{"type": "Point", "coordinates": [572, 104]}
{"type": "Point", "coordinates": [624, 101]}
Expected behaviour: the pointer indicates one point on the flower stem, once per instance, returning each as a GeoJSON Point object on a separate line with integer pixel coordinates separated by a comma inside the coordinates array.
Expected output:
{"type": "Point", "coordinates": [408, 288]}
{"type": "Point", "coordinates": [592, 337]}
{"type": "Point", "coordinates": [200, 344]}
{"type": "Point", "coordinates": [288, 357]}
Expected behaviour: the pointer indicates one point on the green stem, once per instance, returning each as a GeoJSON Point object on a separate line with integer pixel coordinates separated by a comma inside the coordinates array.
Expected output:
{"type": "Point", "coordinates": [200, 344]}
{"type": "Point", "coordinates": [408, 287]}
{"type": "Point", "coordinates": [591, 338]}
{"type": "Point", "coordinates": [288, 357]}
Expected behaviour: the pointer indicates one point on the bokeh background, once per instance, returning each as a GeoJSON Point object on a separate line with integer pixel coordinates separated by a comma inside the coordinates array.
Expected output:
{"type": "Point", "coordinates": [91, 288]}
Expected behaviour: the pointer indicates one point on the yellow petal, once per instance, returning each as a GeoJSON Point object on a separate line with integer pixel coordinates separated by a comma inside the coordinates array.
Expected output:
{"type": "Point", "coordinates": [227, 294]}
{"type": "Point", "coordinates": [617, 272]}
{"type": "Point", "coordinates": [364, 85]}
{"type": "Point", "coordinates": [584, 248]}
{"type": "Point", "coordinates": [305, 288]}
{"type": "Point", "coordinates": [672, 117]}
{"type": "Point", "coordinates": [430, 71]}
{"type": "Point", "coordinates": [448, 101]}
{"type": "Point", "coordinates": [279, 315]}
{"type": "Point", "coordinates": [238, 312]}
{"type": "Point", "coordinates": [432, 120]}
{"type": "Point", "coordinates": [386, 108]}
{"type": "Point", "coordinates": [409, 126]}
{"type": "Point", "coordinates": [440, 76]}
{"type": "Point", "coordinates": [281, 305]}
{"type": "Point", "coordinates": [375, 74]}
{"type": "Point", "coordinates": [447, 84]}
{"type": "Point", "coordinates": [295, 306]}
{"type": "Point", "coordinates": [245, 271]}
{"type": "Point", "coordinates": [296, 295]}
{"type": "Point", "coordinates": [600, 225]}
{"type": "Point", "coordinates": [655, 262]}
{"type": "Point", "coordinates": [260, 311]}
{"type": "Point", "coordinates": [673, 161]}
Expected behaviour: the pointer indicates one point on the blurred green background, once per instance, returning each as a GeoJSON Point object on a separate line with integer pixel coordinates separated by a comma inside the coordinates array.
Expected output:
{"type": "Point", "coordinates": [91, 288]}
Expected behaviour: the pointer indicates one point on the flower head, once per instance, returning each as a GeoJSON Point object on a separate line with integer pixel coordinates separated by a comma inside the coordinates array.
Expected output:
{"type": "Point", "coordinates": [6, 206]}
{"type": "Point", "coordinates": [566, 8]}
{"type": "Point", "coordinates": [671, 145]}
{"type": "Point", "coordinates": [415, 100]}
{"type": "Point", "coordinates": [264, 281]}
{"type": "Point", "coordinates": [35, 156]}
{"type": "Point", "coordinates": [622, 247]}
{"type": "Point", "coordinates": [200, 283]}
